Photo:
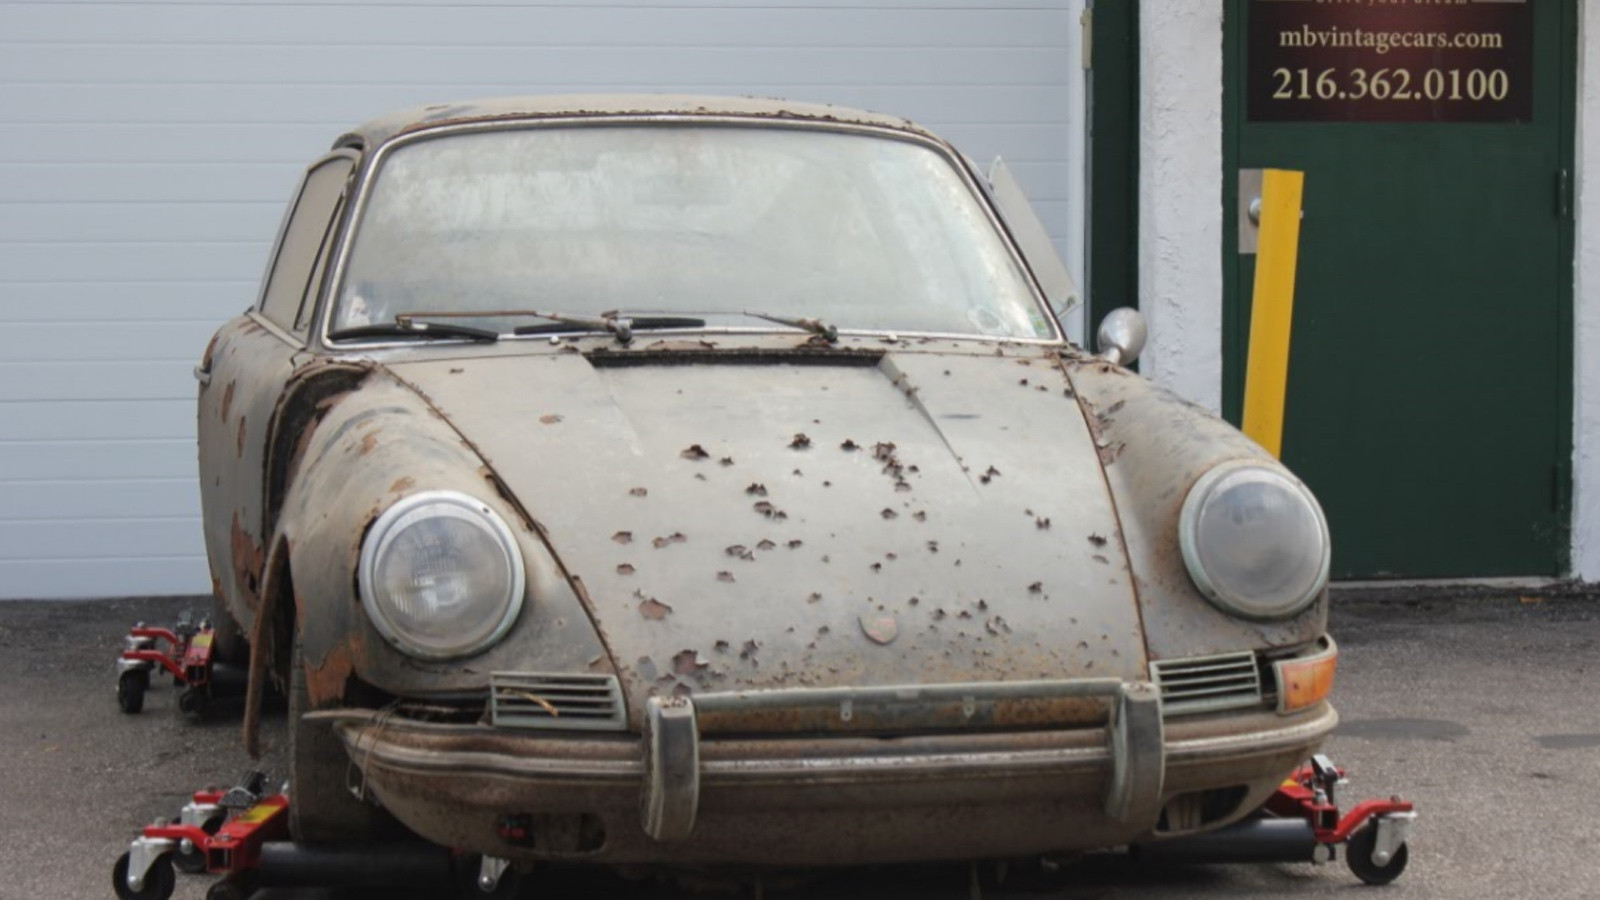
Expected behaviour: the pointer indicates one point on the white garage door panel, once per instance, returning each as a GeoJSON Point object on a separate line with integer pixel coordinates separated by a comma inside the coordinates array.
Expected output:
{"type": "Point", "coordinates": [540, 26]}
{"type": "Point", "coordinates": [88, 539]}
{"type": "Point", "coordinates": [103, 420]}
{"type": "Point", "coordinates": [126, 576]}
{"type": "Point", "coordinates": [210, 153]}
{"type": "Point", "coordinates": [97, 499]}
{"type": "Point", "coordinates": [128, 261]}
{"type": "Point", "coordinates": [147, 150]}
{"type": "Point", "coordinates": [66, 181]}
{"type": "Point", "coordinates": [186, 222]}
{"type": "Point", "coordinates": [507, 65]}
{"type": "Point", "coordinates": [122, 301]}
{"type": "Point", "coordinates": [96, 341]}
{"type": "Point", "coordinates": [120, 380]}
{"type": "Point", "coordinates": [111, 459]}
{"type": "Point", "coordinates": [311, 103]}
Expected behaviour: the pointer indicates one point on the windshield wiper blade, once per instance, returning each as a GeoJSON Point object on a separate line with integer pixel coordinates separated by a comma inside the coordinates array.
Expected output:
{"type": "Point", "coordinates": [615, 322]}
{"type": "Point", "coordinates": [815, 326]}
{"type": "Point", "coordinates": [637, 323]}
{"type": "Point", "coordinates": [410, 328]}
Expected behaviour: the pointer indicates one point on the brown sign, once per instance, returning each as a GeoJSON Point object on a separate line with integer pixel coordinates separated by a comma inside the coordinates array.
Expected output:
{"type": "Point", "coordinates": [1390, 61]}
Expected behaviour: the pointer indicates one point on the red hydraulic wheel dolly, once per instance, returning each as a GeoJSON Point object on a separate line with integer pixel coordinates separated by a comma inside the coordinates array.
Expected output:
{"type": "Point", "coordinates": [1301, 822]}
{"type": "Point", "coordinates": [187, 657]}
{"type": "Point", "coordinates": [221, 832]}
{"type": "Point", "coordinates": [242, 834]}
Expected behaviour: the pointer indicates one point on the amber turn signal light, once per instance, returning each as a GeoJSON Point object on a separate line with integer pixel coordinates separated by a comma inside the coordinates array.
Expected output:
{"type": "Point", "coordinates": [1306, 681]}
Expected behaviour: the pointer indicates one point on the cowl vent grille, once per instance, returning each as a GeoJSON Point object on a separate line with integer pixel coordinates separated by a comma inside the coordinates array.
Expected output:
{"type": "Point", "coordinates": [556, 702]}
{"type": "Point", "coordinates": [1207, 683]}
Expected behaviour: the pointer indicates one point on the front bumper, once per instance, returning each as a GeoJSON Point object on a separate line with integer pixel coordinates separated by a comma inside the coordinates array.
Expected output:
{"type": "Point", "coordinates": [678, 795]}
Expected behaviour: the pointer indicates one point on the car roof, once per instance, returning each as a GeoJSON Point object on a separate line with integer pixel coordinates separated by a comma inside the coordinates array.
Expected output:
{"type": "Point", "coordinates": [496, 109]}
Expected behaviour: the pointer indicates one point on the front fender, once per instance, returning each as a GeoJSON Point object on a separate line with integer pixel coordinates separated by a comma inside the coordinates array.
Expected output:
{"type": "Point", "coordinates": [1154, 445]}
{"type": "Point", "coordinates": [371, 448]}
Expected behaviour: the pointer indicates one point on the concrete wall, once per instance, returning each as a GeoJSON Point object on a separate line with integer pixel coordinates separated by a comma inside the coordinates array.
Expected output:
{"type": "Point", "coordinates": [1180, 195]}
{"type": "Point", "coordinates": [147, 150]}
{"type": "Point", "coordinates": [1586, 316]}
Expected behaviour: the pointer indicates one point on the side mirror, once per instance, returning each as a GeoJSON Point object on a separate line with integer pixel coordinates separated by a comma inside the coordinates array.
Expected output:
{"type": "Point", "coordinates": [1121, 336]}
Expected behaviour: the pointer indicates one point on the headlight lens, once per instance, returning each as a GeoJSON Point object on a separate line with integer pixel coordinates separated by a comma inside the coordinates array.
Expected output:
{"type": "Point", "coordinates": [1255, 541]}
{"type": "Point", "coordinates": [441, 575]}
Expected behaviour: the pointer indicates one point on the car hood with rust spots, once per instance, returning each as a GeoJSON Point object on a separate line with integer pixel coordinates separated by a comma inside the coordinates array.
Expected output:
{"type": "Point", "coordinates": [753, 522]}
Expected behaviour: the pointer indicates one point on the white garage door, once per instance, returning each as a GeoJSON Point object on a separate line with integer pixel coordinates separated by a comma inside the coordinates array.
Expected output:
{"type": "Point", "coordinates": [147, 149]}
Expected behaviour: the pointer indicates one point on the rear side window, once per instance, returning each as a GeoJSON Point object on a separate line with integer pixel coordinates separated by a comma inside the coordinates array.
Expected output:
{"type": "Point", "coordinates": [291, 287]}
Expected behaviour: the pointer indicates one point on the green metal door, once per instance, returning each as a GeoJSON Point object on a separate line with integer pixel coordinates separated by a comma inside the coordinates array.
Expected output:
{"type": "Point", "coordinates": [1429, 396]}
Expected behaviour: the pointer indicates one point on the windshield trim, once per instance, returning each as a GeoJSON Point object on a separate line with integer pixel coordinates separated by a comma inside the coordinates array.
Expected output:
{"type": "Point", "coordinates": [366, 175]}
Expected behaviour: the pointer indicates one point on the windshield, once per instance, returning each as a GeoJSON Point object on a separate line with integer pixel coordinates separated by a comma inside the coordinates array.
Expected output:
{"type": "Point", "coordinates": [861, 231]}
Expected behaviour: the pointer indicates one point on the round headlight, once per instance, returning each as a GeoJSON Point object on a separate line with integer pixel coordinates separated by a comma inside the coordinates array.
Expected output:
{"type": "Point", "coordinates": [441, 575]}
{"type": "Point", "coordinates": [1255, 541]}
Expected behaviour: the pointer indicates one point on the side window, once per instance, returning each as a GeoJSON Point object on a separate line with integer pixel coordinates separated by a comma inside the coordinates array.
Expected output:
{"type": "Point", "coordinates": [304, 238]}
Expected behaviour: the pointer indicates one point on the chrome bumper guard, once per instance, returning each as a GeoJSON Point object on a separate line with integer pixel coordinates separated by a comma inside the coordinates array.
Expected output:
{"type": "Point", "coordinates": [1135, 735]}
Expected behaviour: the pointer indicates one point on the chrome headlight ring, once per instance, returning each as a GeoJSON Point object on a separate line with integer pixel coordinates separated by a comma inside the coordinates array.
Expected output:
{"type": "Point", "coordinates": [1255, 540]}
{"type": "Point", "coordinates": [441, 575]}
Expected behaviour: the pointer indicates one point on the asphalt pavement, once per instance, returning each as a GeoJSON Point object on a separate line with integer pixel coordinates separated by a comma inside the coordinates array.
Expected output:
{"type": "Point", "coordinates": [1484, 710]}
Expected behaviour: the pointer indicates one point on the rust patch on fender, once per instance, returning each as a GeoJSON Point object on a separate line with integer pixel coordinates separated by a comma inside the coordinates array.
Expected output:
{"type": "Point", "coordinates": [248, 558]}
{"type": "Point", "coordinates": [211, 350]}
{"type": "Point", "coordinates": [403, 483]}
{"type": "Point", "coordinates": [325, 683]}
{"type": "Point", "coordinates": [369, 441]}
{"type": "Point", "coordinates": [239, 441]}
{"type": "Point", "coordinates": [227, 400]}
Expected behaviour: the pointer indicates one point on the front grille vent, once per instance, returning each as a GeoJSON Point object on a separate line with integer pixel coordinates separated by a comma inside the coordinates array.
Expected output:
{"type": "Point", "coordinates": [557, 702]}
{"type": "Point", "coordinates": [1207, 683]}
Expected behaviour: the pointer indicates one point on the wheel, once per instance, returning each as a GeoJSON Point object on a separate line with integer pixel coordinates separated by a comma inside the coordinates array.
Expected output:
{"type": "Point", "coordinates": [193, 862]}
{"type": "Point", "coordinates": [192, 702]}
{"type": "Point", "coordinates": [323, 809]}
{"type": "Point", "coordinates": [1358, 856]}
{"type": "Point", "coordinates": [158, 882]}
{"type": "Point", "coordinates": [470, 866]}
{"type": "Point", "coordinates": [131, 686]}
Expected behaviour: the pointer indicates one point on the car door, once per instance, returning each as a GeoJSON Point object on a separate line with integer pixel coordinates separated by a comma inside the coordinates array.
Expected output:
{"type": "Point", "coordinates": [242, 379]}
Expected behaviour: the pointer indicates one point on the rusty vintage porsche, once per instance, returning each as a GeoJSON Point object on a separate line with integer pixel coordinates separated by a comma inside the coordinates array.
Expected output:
{"type": "Point", "coordinates": [664, 480]}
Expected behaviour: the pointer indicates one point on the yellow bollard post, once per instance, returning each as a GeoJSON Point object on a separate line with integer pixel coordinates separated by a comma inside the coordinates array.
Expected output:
{"type": "Point", "coordinates": [1266, 374]}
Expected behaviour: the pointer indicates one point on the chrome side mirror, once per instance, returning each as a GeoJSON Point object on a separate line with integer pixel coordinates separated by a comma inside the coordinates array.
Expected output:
{"type": "Point", "coordinates": [1121, 336]}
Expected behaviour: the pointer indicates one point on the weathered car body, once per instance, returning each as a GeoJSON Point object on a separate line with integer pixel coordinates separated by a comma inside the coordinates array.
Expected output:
{"type": "Point", "coordinates": [779, 587]}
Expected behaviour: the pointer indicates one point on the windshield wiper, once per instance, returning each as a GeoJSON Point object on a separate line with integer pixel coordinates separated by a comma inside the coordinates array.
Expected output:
{"type": "Point", "coordinates": [619, 324]}
{"type": "Point", "coordinates": [406, 327]}
{"type": "Point", "coordinates": [815, 326]}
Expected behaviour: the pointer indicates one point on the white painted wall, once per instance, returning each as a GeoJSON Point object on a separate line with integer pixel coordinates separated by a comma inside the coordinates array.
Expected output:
{"type": "Point", "coordinates": [1180, 196]}
{"type": "Point", "coordinates": [1586, 315]}
{"type": "Point", "coordinates": [147, 149]}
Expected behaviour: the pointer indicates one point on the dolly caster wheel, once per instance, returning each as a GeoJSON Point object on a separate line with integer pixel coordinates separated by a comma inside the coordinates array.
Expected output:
{"type": "Point", "coordinates": [131, 686]}
{"type": "Point", "coordinates": [474, 871]}
{"type": "Point", "coordinates": [189, 859]}
{"type": "Point", "coordinates": [159, 882]}
{"type": "Point", "coordinates": [193, 703]}
{"type": "Point", "coordinates": [1358, 855]}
